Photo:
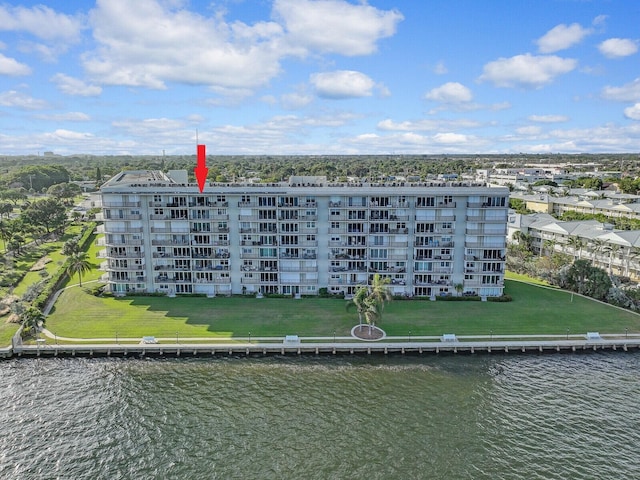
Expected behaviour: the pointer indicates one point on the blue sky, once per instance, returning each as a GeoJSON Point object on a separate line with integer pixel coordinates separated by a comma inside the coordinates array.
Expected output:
{"type": "Point", "coordinates": [320, 76]}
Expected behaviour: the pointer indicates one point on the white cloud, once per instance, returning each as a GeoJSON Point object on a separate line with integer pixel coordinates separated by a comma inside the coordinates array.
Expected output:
{"type": "Point", "coordinates": [40, 21]}
{"type": "Point", "coordinates": [440, 68]}
{"type": "Point", "coordinates": [600, 139]}
{"type": "Point", "coordinates": [335, 26]}
{"type": "Point", "coordinates": [74, 86]}
{"type": "Point", "coordinates": [13, 98]}
{"type": "Point", "coordinates": [149, 126]}
{"type": "Point", "coordinates": [151, 43]}
{"type": "Point", "coordinates": [409, 142]}
{"type": "Point", "coordinates": [342, 84]}
{"type": "Point", "coordinates": [66, 117]}
{"type": "Point", "coordinates": [426, 125]}
{"type": "Point", "coordinates": [630, 92]}
{"type": "Point", "coordinates": [530, 130]}
{"type": "Point", "coordinates": [618, 47]}
{"type": "Point", "coordinates": [548, 118]}
{"type": "Point", "coordinates": [633, 112]}
{"type": "Point", "coordinates": [527, 71]}
{"type": "Point", "coordinates": [11, 67]}
{"type": "Point", "coordinates": [451, 92]}
{"type": "Point", "coordinates": [450, 137]}
{"type": "Point", "coordinates": [562, 37]}
{"type": "Point", "coordinates": [147, 43]}
{"type": "Point", "coordinates": [295, 100]}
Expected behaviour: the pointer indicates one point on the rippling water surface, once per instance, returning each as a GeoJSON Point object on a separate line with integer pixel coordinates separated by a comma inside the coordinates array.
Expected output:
{"type": "Point", "coordinates": [510, 417]}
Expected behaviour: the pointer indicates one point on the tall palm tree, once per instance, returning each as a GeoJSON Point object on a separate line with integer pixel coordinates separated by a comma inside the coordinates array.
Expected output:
{"type": "Point", "coordinates": [632, 256]}
{"type": "Point", "coordinates": [612, 250]}
{"type": "Point", "coordinates": [78, 263]}
{"type": "Point", "coordinates": [359, 301]}
{"type": "Point", "coordinates": [577, 244]}
{"type": "Point", "coordinates": [370, 300]}
{"type": "Point", "coordinates": [550, 245]}
{"type": "Point", "coordinates": [596, 247]}
{"type": "Point", "coordinates": [524, 240]}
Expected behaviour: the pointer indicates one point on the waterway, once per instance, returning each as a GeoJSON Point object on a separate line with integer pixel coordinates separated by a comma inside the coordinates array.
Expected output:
{"type": "Point", "coordinates": [527, 416]}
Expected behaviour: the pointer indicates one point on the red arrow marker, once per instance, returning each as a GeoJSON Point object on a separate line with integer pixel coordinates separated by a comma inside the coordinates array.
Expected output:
{"type": "Point", "coordinates": [201, 169]}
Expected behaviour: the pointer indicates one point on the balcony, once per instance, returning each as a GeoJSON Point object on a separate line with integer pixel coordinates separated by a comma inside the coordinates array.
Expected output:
{"type": "Point", "coordinates": [121, 204]}
{"type": "Point", "coordinates": [106, 242]}
{"type": "Point", "coordinates": [130, 216]}
{"type": "Point", "coordinates": [170, 242]}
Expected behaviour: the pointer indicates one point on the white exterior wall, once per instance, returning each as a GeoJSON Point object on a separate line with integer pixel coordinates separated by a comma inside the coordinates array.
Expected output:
{"type": "Point", "coordinates": [162, 236]}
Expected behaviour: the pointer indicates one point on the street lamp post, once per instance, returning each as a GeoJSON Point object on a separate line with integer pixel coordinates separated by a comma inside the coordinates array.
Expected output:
{"type": "Point", "coordinates": [249, 337]}
{"type": "Point", "coordinates": [567, 334]}
{"type": "Point", "coordinates": [334, 336]}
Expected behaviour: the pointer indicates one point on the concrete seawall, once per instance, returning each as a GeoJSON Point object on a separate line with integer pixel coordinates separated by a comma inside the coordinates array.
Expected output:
{"type": "Point", "coordinates": [606, 343]}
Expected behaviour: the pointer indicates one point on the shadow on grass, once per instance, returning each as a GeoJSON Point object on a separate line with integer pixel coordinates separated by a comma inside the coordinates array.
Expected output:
{"type": "Point", "coordinates": [247, 316]}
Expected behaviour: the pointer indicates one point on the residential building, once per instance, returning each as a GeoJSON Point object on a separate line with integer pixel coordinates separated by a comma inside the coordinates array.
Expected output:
{"type": "Point", "coordinates": [297, 237]}
{"type": "Point", "coordinates": [617, 251]}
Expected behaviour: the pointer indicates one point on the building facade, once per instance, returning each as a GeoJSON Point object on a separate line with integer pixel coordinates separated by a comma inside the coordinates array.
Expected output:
{"type": "Point", "coordinates": [294, 238]}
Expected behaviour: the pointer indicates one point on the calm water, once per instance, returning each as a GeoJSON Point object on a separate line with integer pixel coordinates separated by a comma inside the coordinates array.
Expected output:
{"type": "Point", "coordinates": [511, 417]}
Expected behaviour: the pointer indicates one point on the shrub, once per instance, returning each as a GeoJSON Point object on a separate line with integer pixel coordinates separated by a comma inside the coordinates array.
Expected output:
{"type": "Point", "coordinates": [503, 298]}
{"type": "Point", "coordinates": [448, 298]}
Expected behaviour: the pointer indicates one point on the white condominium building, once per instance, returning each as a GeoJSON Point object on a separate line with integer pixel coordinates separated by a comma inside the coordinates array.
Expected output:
{"type": "Point", "coordinates": [298, 237]}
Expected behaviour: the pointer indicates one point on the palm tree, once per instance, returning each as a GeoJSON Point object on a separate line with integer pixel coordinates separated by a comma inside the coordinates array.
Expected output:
{"type": "Point", "coordinates": [524, 240]}
{"type": "Point", "coordinates": [550, 245]}
{"type": "Point", "coordinates": [459, 287]}
{"type": "Point", "coordinates": [359, 301]}
{"type": "Point", "coordinates": [577, 244]}
{"type": "Point", "coordinates": [370, 300]}
{"type": "Point", "coordinates": [79, 264]}
{"type": "Point", "coordinates": [632, 256]}
{"type": "Point", "coordinates": [612, 249]}
{"type": "Point", "coordinates": [32, 318]}
{"type": "Point", "coordinates": [597, 246]}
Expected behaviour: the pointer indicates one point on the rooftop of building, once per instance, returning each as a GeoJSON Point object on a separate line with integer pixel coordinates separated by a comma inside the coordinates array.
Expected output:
{"type": "Point", "coordinates": [147, 181]}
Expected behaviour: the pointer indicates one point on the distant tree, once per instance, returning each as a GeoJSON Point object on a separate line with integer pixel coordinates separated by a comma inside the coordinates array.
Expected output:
{"type": "Point", "coordinates": [49, 212]}
{"type": "Point", "coordinates": [37, 177]}
{"type": "Point", "coordinates": [540, 183]}
{"type": "Point", "coordinates": [593, 183]}
{"type": "Point", "coordinates": [64, 191]}
{"type": "Point", "coordinates": [14, 195]}
{"type": "Point", "coordinates": [5, 209]}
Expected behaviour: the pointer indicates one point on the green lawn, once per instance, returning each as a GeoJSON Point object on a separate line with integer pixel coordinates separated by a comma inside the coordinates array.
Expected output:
{"type": "Point", "coordinates": [52, 250]}
{"type": "Point", "coordinates": [7, 330]}
{"type": "Point", "coordinates": [525, 278]}
{"type": "Point", "coordinates": [534, 310]}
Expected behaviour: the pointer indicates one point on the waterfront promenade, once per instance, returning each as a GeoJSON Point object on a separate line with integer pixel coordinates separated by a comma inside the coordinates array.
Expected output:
{"type": "Point", "coordinates": [54, 346]}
